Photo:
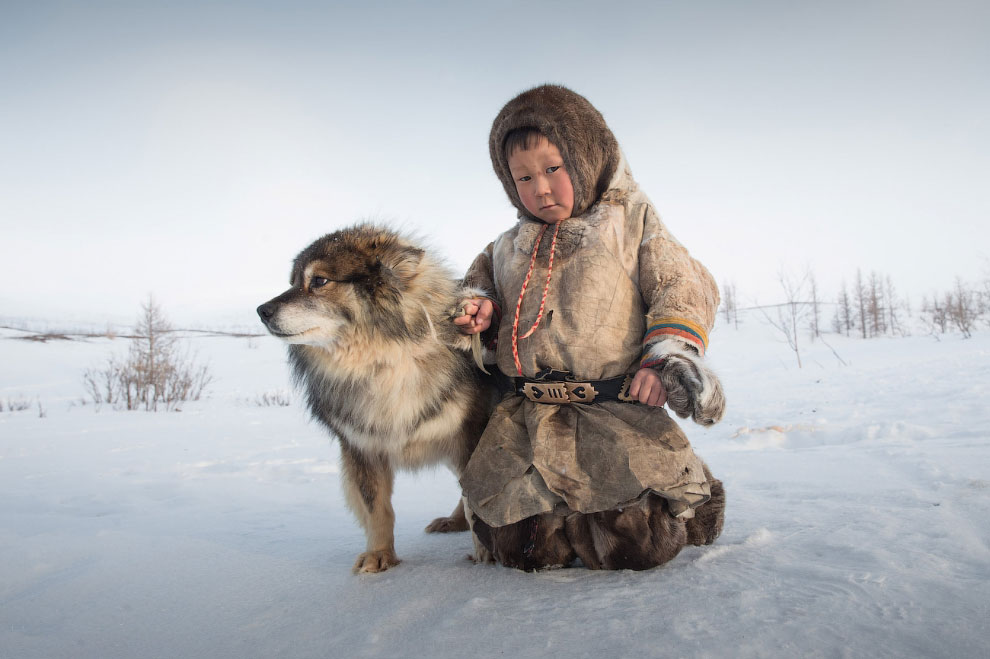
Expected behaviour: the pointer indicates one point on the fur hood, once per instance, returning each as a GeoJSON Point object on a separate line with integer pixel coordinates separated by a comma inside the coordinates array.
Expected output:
{"type": "Point", "coordinates": [590, 151]}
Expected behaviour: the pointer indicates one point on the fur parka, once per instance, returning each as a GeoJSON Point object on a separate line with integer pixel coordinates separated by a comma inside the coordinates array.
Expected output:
{"type": "Point", "coordinates": [623, 294]}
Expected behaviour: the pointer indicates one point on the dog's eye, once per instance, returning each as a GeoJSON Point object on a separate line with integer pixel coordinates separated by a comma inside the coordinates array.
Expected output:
{"type": "Point", "coordinates": [318, 282]}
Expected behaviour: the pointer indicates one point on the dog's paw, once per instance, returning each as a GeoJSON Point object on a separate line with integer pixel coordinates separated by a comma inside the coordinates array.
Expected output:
{"type": "Point", "coordinates": [447, 525]}
{"type": "Point", "coordinates": [375, 561]}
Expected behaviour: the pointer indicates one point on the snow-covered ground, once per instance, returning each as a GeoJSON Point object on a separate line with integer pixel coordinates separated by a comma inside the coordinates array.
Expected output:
{"type": "Point", "coordinates": [858, 522]}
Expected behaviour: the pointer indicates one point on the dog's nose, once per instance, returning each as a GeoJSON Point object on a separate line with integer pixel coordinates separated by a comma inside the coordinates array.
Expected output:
{"type": "Point", "coordinates": [266, 311]}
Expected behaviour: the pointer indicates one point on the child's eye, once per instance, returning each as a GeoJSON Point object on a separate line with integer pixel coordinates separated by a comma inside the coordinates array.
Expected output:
{"type": "Point", "coordinates": [525, 178]}
{"type": "Point", "coordinates": [551, 170]}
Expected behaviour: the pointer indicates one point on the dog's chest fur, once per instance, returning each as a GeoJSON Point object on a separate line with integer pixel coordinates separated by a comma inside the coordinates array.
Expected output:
{"type": "Point", "coordinates": [409, 412]}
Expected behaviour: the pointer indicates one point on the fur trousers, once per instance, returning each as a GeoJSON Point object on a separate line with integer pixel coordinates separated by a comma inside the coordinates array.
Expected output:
{"type": "Point", "coordinates": [638, 536]}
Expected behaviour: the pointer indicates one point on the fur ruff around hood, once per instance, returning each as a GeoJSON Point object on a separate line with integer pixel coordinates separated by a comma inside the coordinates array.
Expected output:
{"type": "Point", "coordinates": [590, 151]}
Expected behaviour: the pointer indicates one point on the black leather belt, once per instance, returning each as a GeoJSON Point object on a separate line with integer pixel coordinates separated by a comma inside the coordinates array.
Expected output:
{"type": "Point", "coordinates": [558, 391]}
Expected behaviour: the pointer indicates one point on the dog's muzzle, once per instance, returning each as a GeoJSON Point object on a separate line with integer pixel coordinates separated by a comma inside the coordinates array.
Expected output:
{"type": "Point", "coordinates": [266, 311]}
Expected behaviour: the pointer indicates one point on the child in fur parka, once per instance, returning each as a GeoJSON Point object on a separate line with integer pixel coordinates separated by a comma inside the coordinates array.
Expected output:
{"type": "Point", "coordinates": [600, 317]}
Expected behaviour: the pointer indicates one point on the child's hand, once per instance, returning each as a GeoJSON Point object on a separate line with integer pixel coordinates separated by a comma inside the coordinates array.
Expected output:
{"type": "Point", "coordinates": [477, 315]}
{"type": "Point", "coordinates": [647, 388]}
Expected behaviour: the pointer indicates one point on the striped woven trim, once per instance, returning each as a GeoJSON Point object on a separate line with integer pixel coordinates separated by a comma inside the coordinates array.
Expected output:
{"type": "Point", "coordinates": [651, 362]}
{"type": "Point", "coordinates": [679, 327]}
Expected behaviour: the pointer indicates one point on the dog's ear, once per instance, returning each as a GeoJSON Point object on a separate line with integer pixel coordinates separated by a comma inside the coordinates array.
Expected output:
{"type": "Point", "coordinates": [402, 262]}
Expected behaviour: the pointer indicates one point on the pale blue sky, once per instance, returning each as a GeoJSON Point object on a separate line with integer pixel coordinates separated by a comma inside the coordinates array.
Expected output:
{"type": "Point", "coordinates": [190, 149]}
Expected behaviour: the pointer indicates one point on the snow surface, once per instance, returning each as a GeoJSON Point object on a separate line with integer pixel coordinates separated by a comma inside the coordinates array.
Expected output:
{"type": "Point", "coordinates": [858, 522]}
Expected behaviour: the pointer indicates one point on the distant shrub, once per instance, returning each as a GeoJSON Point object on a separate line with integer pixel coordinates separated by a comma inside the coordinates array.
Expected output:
{"type": "Point", "coordinates": [157, 372]}
{"type": "Point", "coordinates": [277, 398]}
{"type": "Point", "coordinates": [960, 308]}
{"type": "Point", "coordinates": [16, 404]}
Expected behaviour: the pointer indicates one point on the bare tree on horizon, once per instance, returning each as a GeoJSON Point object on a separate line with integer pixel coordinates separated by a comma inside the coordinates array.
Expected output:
{"type": "Point", "coordinates": [793, 312]}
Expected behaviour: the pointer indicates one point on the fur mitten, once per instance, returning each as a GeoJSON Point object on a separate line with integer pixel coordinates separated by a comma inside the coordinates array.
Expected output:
{"type": "Point", "coordinates": [693, 389]}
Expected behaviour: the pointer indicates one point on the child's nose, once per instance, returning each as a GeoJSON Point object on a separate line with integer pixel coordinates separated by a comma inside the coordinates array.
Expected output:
{"type": "Point", "coordinates": [542, 186]}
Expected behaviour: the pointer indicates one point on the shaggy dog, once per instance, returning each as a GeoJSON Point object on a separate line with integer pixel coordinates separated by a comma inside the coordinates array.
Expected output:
{"type": "Point", "coordinates": [367, 320]}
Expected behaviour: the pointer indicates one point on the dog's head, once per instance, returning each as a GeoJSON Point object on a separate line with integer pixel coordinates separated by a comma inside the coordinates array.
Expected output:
{"type": "Point", "coordinates": [347, 281]}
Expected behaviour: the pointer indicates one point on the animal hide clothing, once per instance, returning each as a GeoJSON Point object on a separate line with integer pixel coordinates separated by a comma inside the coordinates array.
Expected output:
{"type": "Point", "coordinates": [621, 284]}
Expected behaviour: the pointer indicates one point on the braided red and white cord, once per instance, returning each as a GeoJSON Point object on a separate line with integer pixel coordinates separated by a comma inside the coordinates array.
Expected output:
{"type": "Point", "coordinates": [522, 292]}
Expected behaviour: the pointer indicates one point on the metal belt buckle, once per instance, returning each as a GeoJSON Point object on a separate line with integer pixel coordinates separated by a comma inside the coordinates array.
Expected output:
{"type": "Point", "coordinates": [560, 393]}
{"type": "Point", "coordinates": [580, 392]}
{"type": "Point", "coordinates": [624, 391]}
{"type": "Point", "coordinates": [553, 393]}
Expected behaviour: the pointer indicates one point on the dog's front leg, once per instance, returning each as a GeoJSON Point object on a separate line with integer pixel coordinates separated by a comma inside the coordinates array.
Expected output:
{"type": "Point", "coordinates": [368, 484]}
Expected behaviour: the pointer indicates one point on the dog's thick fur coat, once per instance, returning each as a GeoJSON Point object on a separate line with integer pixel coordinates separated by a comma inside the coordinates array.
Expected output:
{"type": "Point", "coordinates": [367, 318]}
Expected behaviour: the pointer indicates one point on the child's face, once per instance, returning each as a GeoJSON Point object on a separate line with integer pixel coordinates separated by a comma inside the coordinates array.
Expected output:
{"type": "Point", "coordinates": [542, 183]}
